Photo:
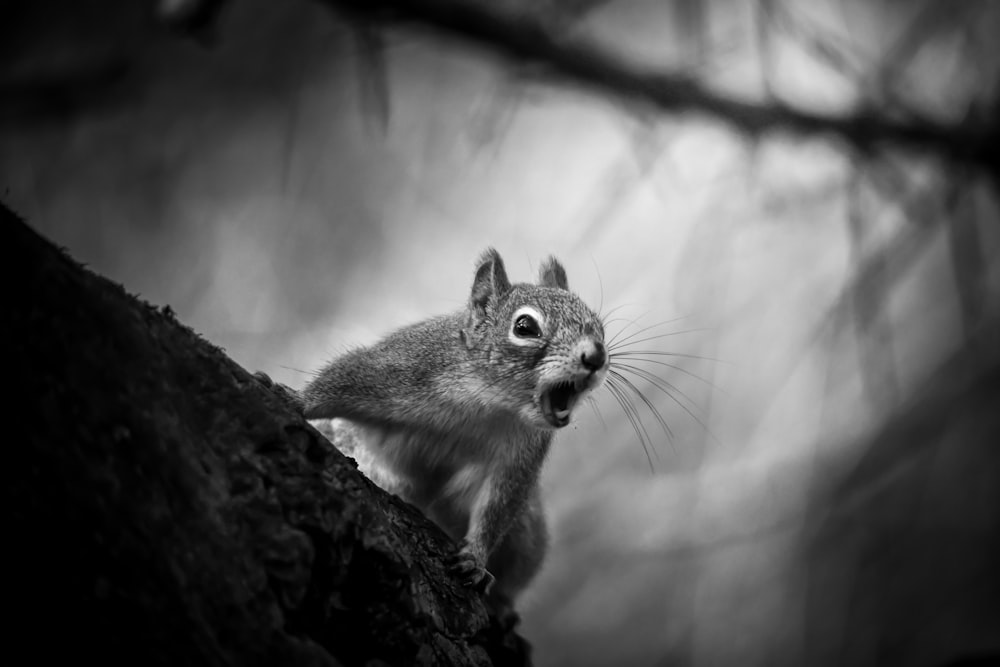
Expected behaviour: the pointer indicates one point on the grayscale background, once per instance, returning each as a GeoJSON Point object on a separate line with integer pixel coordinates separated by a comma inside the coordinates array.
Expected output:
{"type": "Point", "coordinates": [830, 494]}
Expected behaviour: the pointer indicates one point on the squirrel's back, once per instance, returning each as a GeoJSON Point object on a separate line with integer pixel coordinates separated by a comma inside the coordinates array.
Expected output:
{"type": "Point", "coordinates": [419, 377]}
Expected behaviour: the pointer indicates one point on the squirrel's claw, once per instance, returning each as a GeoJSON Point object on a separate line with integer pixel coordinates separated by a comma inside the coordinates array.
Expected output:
{"type": "Point", "coordinates": [469, 570]}
{"type": "Point", "coordinates": [286, 393]}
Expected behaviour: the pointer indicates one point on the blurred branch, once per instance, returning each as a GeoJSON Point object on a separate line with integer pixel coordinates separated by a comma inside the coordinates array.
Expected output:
{"type": "Point", "coordinates": [873, 329]}
{"type": "Point", "coordinates": [373, 76]}
{"type": "Point", "coordinates": [528, 41]}
{"type": "Point", "coordinates": [921, 206]}
{"type": "Point", "coordinates": [879, 82]}
{"type": "Point", "coordinates": [901, 53]}
{"type": "Point", "coordinates": [970, 267]}
{"type": "Point", "coordinates": [494, 117]}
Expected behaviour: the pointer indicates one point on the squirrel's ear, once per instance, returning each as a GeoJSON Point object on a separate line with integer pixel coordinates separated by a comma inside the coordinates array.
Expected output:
{"type": "Point", "coordinates": [552, 274]}
{"type": "Point", "coordinates": [490, 282]}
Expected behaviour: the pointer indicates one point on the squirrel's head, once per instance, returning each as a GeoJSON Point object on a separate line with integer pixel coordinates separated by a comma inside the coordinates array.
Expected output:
{"type": "Point", "coordinates": [544, 348]}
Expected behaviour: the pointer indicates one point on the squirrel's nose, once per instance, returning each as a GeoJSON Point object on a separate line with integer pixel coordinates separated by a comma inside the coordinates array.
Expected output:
{"type": "Point", "coordinates": [594, 356]}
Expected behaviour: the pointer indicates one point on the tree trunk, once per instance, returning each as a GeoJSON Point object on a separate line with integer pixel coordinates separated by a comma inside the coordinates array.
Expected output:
{"type": "Point", "coordinates": [163, 507]}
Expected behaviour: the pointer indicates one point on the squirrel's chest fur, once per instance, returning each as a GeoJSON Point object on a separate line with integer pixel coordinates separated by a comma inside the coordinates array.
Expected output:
{"type": "Point", "coordinates": [443, 473]}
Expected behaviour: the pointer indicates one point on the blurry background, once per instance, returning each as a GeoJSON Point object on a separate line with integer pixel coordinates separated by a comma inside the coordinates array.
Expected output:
{"type": "Point", "coordinates": [293, 181]}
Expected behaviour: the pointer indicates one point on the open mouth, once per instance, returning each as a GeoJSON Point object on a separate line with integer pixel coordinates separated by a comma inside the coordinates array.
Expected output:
{"type": "Point", "coordinates": [557, 403]}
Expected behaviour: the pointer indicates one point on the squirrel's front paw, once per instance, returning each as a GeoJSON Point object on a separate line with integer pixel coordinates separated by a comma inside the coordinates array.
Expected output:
{"type": "Point", "coordinates": [286, 393]}
{"type": "Point", "coordinates": [470, 570]}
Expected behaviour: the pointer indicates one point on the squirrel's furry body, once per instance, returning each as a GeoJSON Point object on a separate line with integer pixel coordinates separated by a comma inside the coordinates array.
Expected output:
{"type": "Point", "coordinates": [456, 413]}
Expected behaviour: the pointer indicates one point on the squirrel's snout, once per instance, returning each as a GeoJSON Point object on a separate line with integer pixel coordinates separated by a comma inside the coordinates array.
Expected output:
{"type": "Point", "coordinates": [593, 355]}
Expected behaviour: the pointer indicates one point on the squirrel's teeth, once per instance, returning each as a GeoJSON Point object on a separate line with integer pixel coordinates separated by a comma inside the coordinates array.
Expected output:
{"type": "Point", "coordinates": [557, 403]}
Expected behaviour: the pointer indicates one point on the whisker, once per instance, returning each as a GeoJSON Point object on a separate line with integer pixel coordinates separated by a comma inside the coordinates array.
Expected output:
{"type": "Point", "coordinates": [630, 322]}
{"type": "Point", "coordinates": [624, 385]}
{"type": "Point", "coordinates": [638, 427]}
{"type": "Point", "coordinates": [665, 387]}
{"type": "Point", "coordinates": [625, 328]}
{"type": "Point", "coordinates": [672, 354]}
{"type": "Point", "coordinates": [628, 357]}
{"type": "Point", "coordinates": [604, 317]}
{"type": "Point", "coordinates": [614, 341]}
{"type": "Point", "coordinates": [628, 341]}
{"type": "Point", "coordinates": [299, 370]}
{"type": "Point", "coordinates": [608, 323]}
{"type": "Point", "coordinates": [655, 380]}
{"type": "Point", "coordinates": [593, 404]}
{"type": "Point", "coordinates": [633, 417]}
{"type": "Point", "coordinates": [649, 404]}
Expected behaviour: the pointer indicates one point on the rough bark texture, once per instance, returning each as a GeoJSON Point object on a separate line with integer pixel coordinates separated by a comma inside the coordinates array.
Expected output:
{"type": "Point", "coordinates": [163, 507]}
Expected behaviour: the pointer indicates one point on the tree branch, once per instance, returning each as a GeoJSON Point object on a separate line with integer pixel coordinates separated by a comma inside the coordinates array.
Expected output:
{"type": "Point", "coordinates": [528, 41]}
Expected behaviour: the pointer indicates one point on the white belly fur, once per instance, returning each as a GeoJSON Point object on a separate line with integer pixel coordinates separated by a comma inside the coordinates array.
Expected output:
{"type": "Point", "coordinates": [443, 476]}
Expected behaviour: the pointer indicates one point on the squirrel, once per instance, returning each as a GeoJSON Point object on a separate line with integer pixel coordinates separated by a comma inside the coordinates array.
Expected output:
{"type": "Point", "coordinates": [456, 414]}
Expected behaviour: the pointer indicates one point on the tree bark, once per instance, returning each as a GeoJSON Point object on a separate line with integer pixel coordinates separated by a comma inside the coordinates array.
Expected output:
{"type": "Point", "coordinates": [163, 507]}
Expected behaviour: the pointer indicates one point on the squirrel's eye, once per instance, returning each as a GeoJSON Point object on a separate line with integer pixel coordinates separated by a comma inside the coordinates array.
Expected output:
{"type": "Point", "coordinates": [525, 326]}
